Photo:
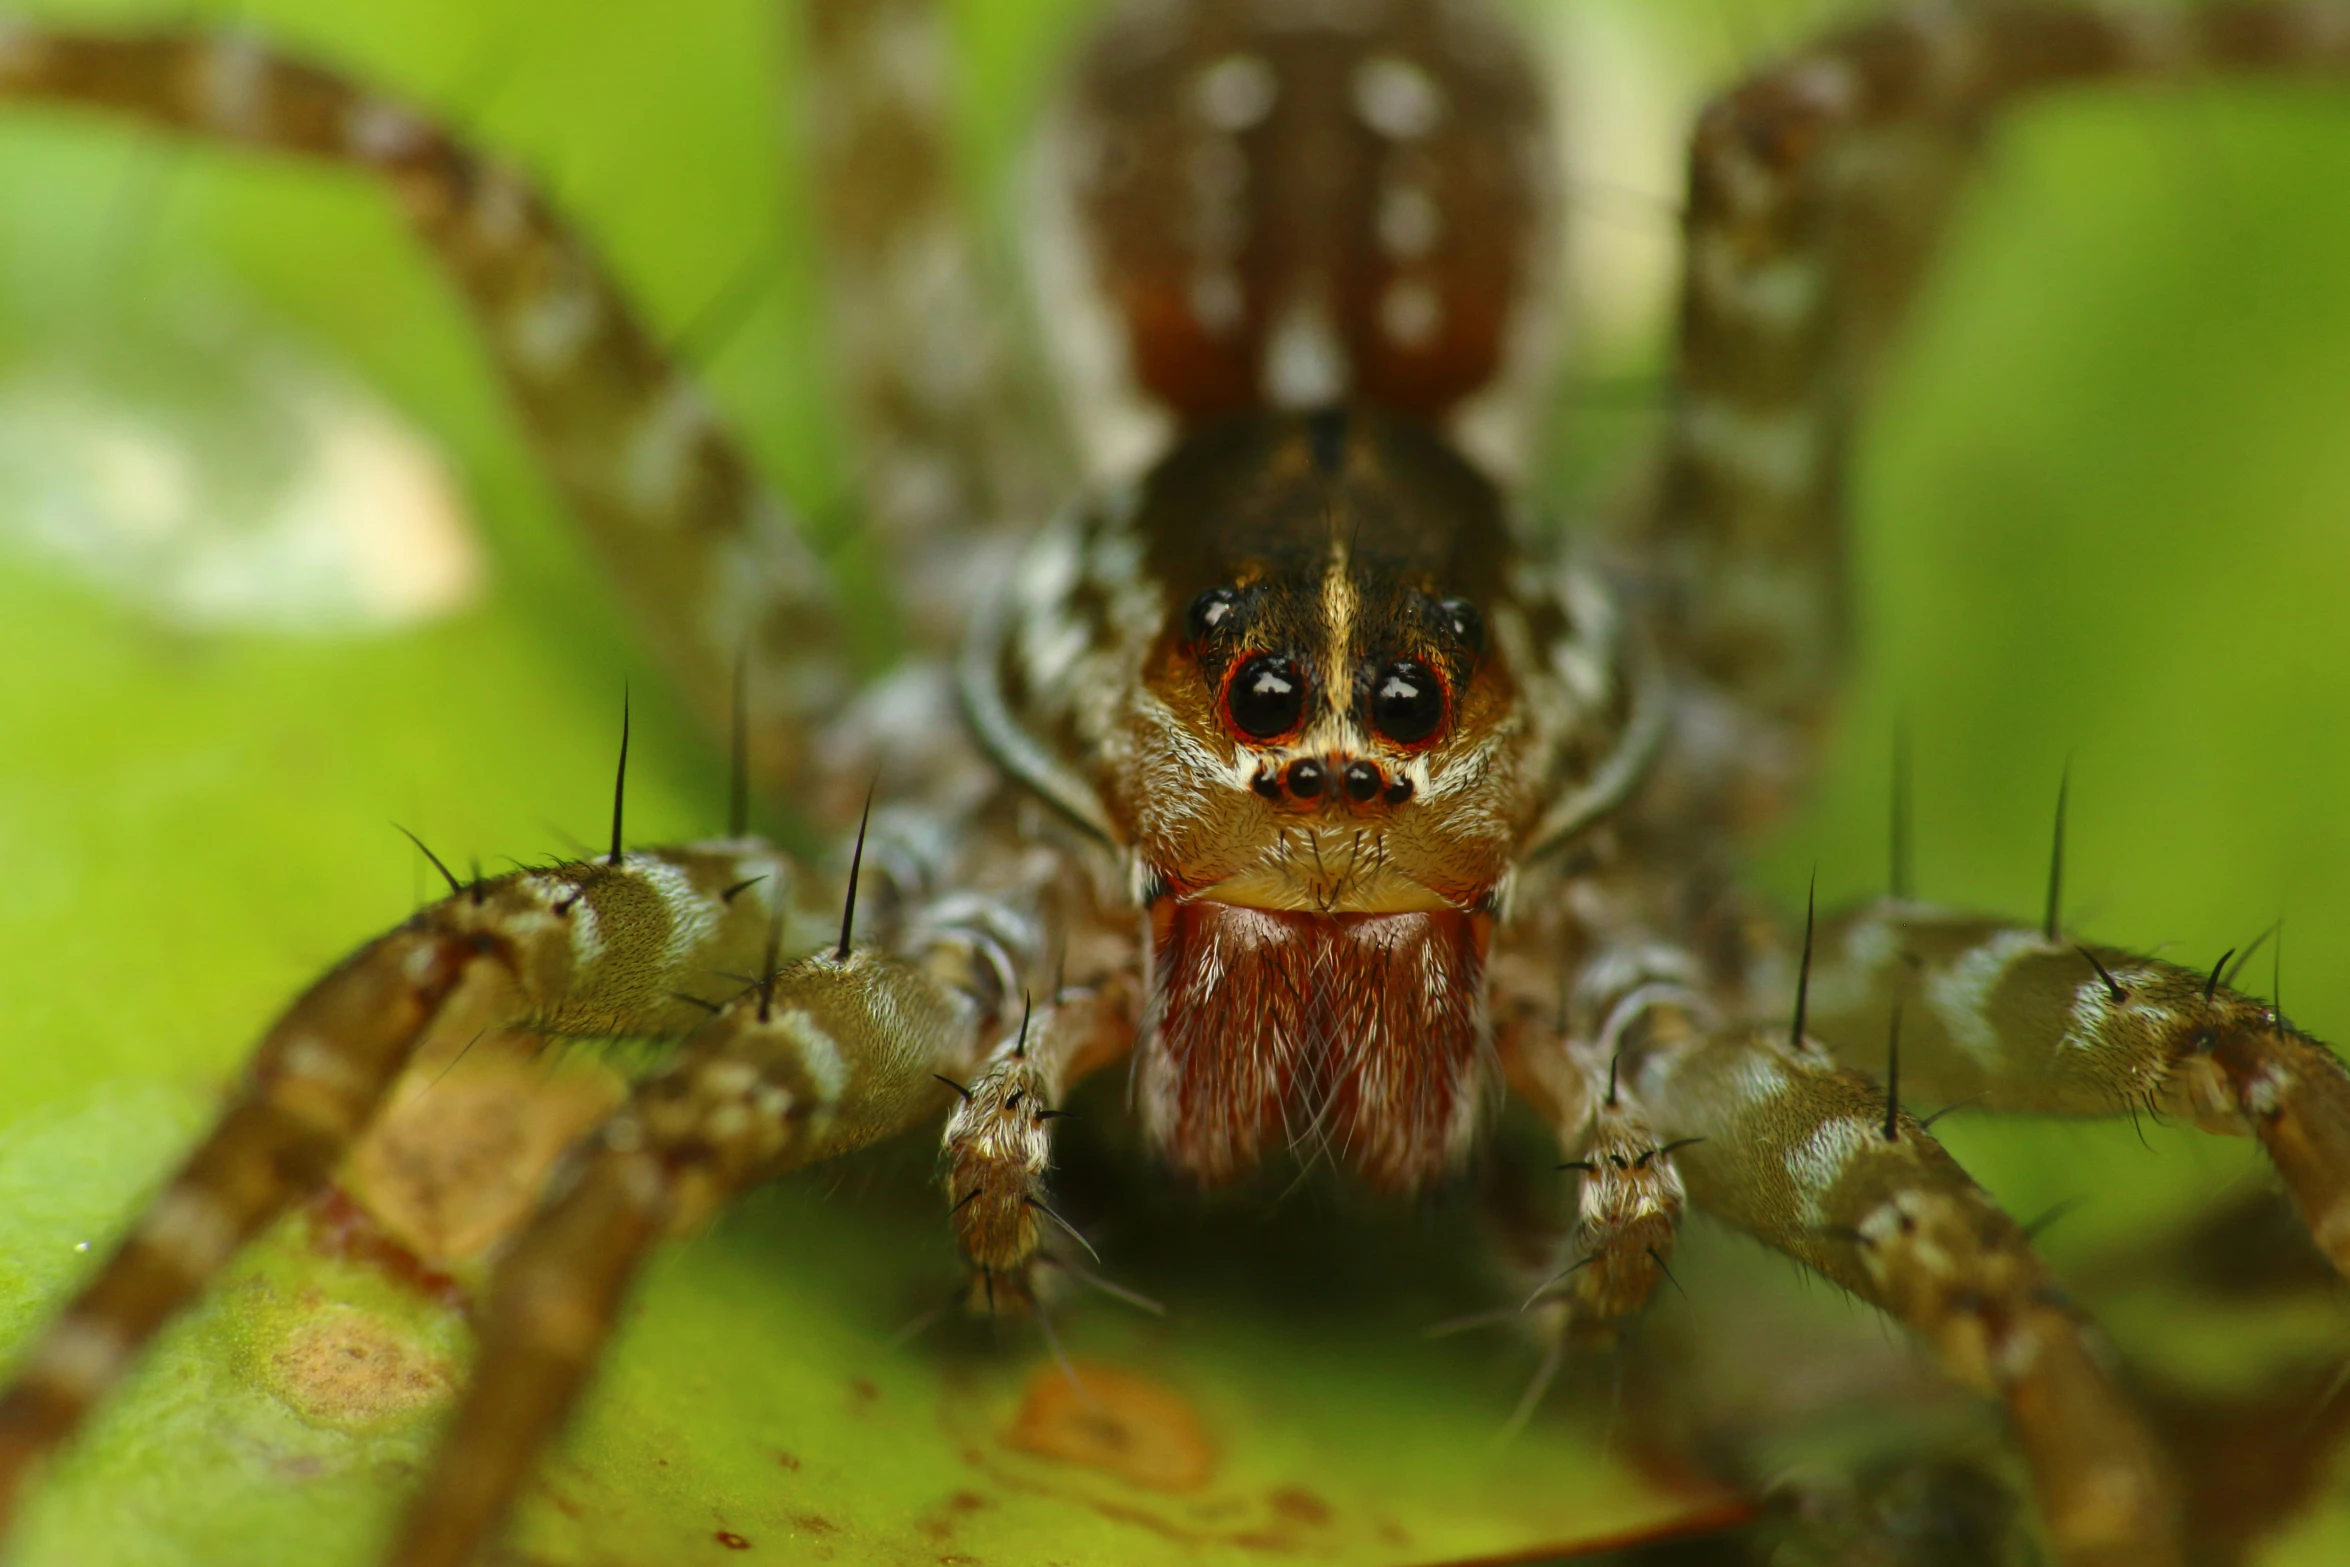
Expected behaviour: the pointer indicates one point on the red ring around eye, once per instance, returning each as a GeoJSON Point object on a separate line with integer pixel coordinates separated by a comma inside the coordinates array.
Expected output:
{"type": "Point", "coordinates": [1265, 698]}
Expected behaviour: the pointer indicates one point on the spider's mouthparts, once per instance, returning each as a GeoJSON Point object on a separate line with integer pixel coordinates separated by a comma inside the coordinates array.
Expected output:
{"type": "Point", "coordinates": [1356, 1032]}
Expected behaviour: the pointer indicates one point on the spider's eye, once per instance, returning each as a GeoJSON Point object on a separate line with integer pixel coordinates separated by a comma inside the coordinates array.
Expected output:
{"type": "Point", "coordinates": [1266, 697]}
{"type": "Point", "coordinates": [1210, 610]}
{"type": "Point", "coordinates": [1466, 624]}
{"type": "Point", "coordinates": [1407, 702]}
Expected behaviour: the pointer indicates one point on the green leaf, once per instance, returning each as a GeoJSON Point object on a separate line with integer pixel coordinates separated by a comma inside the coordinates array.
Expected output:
{"type": "Point", "coordinates": [2104, 512]}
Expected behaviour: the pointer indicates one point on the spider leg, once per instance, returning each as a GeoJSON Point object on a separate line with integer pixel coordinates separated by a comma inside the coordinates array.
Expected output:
{"type": "Point", "coordinates": [1815, 188]}
{"type": "Point", "coordinates": [2023, 1021]}
{"type": "Point", "coordinates": [710, 561]}
{"type": "Point", "coordinates": [1795, 1151]}
{"type": "Point", "coordinates": [592, 948]}
{"type": "Point", "coordinates": [952, 421]}
{"type": "Point", "coordinates": [829, 1054]}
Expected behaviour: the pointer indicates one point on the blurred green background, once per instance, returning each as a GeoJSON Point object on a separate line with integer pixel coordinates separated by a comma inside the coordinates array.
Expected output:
{"type": "Point", "coordinates": [2103, 516]}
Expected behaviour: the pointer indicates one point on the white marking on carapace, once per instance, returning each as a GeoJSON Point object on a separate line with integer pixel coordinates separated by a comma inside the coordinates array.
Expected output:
{"type": "Point", "coordinates": [1411, 313]}
{"type": "Point", "coordinates": [190, 1229]}
{"type": "Point", "coordinates": [1305, 363]}
{"type": "Point", "coordinates": [1235, 93]}
{"type": "Point", "coordinates": [1409, 221]}
{"type": "Point", "coordinates": [78, 1358]}
{"type": "Point", "coordinates": [1818, 1162]}
{"type": "Point", "coordinates": [658, 451]}
{"type": "Point", "coordinates": [1216, 172]}
{"type": "Point", "coordinates": [232, 85]}
{"type": "Point", "coordinates": [1396, 98]}
{"type": "Point", "coordinates": [1774, 451]}
{"type": "Point", "coordinates": [378, 131]}
{"type": "Point", "coordinates": [1340, 605]}
{"type": "Point", "coordinates": [1217, 302]}
{"type": "Point", "coordinates": [1961, 994]}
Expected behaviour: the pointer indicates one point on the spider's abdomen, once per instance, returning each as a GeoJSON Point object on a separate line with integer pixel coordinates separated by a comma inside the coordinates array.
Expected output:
{"type": "Point", "coordinates": [1293, 205]}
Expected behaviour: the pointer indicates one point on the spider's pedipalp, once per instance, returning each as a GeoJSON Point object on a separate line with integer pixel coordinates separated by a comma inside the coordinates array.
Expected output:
{"type": "Point", "coordinates": [2025, 1023]}
{"type": "Point", "coordinates": [997, 1146]}
{"type": "Point", "coordinates": [711, 562]}
{"type": "Point", "coordinates": [1794, 1153]}
{"type": "Point", "coordinates": [832, 1054]}
{"type": "Point", "coordinates": [585, 949]}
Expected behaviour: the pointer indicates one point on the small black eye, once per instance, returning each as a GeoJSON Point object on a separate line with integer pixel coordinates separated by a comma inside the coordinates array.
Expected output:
{"type": "Point", "coordinates": [1407, 703]}
{"type": "Point", "coordinates": [1210, 610]}
{"type": "Point", "coordinates": [1267, 697]}
{"type": "Point", "coordinates": [1466, 623]}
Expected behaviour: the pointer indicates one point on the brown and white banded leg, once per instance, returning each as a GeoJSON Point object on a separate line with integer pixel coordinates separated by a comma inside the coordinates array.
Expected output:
{"type": "Point", "coordinates": [998, 1144]}
{"type": "Point", "coordinates": [592, 949]}
{"type": "Point", "coordinates": [710, 561]}
{"type": "Point", "coordinates": [1814, 191]}
{"type": "Point", "coordinates": [830, 1054]}
{"type": "Point", "coordinates": [1799, 1152]}
{"type": "Point", "coordinates": [2017, 1020]}
{"type": "Point", "coordinates": [956, 434]}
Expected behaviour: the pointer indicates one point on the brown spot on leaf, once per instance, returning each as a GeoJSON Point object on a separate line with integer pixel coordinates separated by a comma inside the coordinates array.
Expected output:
{"type": "Point", "coordinates": [816, 1523]}
{"type": "Point", "coordinates": [1133, 1428]}
{"type": "Point", "coordinates": [1296, 1504]}
{"type": "Point", "coordinates": [731, 1540]}
{"type": "Point", "coordinates": [344, 1366]}
{"type": "Point", "coordinates": [460, 1157]}
{"type": "Point", "coordinates": [787, 1460]}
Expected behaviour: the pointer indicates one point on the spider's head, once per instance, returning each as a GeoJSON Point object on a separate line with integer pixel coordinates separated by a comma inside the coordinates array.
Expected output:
{"type": "Point", "coordinates": [1352, 697]}
{"type": "Point", "coordinates": [1302, 677]}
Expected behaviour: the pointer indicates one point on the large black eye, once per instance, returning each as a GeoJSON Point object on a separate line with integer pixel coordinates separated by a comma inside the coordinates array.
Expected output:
{"type": "Point", "coordinates": [1266, 698]}
{"type": "Point", "coordinates": [1466, 624]}
{"type": "Point", "coordinates": [1210, 610]}
{"type": "Point", "coordinates": [1407, 702]}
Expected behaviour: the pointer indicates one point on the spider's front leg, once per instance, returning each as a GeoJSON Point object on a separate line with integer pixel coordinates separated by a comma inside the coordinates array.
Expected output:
{"type": "Point", "coordinates": [595, 948]}
{"type": "Point", "coordinates": [2019, 1019]}
{"type": "Point", "coordinates": [829, 1054]}
{"type": "Point", "coordinates": [1805, 1156]}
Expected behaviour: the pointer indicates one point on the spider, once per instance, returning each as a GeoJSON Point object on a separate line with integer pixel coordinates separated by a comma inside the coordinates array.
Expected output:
{"type": "Point", "coordinates": [1209, 1149]}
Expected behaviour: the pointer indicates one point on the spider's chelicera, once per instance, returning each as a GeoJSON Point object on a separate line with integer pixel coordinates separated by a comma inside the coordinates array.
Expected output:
{"type": "Point", "coordinates": [1294, 768]}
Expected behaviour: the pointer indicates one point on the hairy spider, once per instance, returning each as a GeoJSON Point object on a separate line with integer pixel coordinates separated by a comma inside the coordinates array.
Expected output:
{"type": "Point", "coordinates": [1309, 823]}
